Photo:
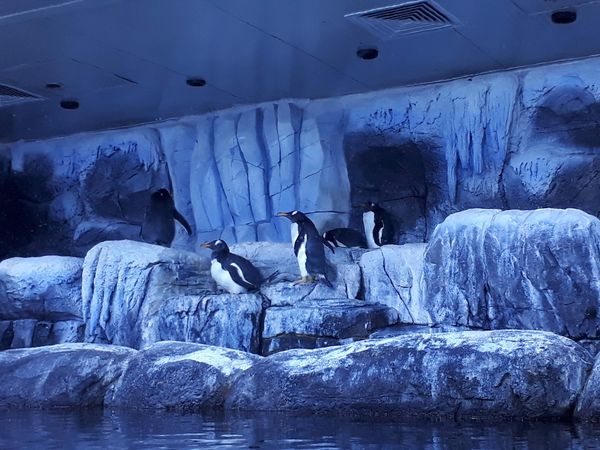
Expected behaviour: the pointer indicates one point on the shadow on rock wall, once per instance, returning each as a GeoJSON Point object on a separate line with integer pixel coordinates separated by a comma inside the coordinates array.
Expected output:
{"type": "Point", "coordinates": [559, 164]}
{"type": "Point", "coordinates": [115, 191]}
{"type": "Point", "coordinates": [25, 198]}
{"type": "Point", "coordinates": [394, 177]}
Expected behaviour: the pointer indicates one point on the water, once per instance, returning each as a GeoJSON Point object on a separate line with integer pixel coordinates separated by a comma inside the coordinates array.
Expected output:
{"type": "Point", "coordinates": [30, 429]}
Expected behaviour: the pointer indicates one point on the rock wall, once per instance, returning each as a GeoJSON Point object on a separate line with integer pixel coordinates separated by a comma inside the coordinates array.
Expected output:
{"type": "Point", "coordinates": [518, 139]}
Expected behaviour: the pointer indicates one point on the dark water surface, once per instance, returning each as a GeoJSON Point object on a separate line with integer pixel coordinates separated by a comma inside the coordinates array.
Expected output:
{"type": "Point", "coordinates": [31, 429]}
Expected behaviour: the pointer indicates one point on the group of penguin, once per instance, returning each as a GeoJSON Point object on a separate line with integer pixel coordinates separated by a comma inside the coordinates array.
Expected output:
{"type": "Point", "coordinates": [237, 275]}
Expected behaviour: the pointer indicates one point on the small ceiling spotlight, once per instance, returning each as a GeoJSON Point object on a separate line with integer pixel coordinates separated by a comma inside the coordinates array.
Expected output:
{"type": "Point", "coordinates": [69, 104]}
{"type": "Point", "coordinates": [564, 17]}
{"type": "Point", "coordinates": [367, 53]}
{"type": "Point", "coordinates": [54, 85]}
{"type": "Point", "coordinates": [196, 82]}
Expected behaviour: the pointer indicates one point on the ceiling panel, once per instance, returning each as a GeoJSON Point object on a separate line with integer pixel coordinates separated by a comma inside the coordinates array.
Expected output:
{"type": "Point", "coordinates": [127, 61]}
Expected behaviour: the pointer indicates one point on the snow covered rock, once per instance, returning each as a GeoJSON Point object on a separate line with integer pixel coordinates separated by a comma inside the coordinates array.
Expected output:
{"type": "Point", "coordinates": [508, 373]}
{"type": "Point", "coordinates": [45, 288]}
{"type": "Point", "coordinates": [320, 323]}
{"type": "Point", "coordinates": [516, 269]}
{"type": "Point", "coordinates": [392, 276]}
{"type": "Point", "coordinates": [178, 375]}
{"type": "Point", "coordinates": [66, 375]}
{"type": "Point", "coordinates": [125, 284]}
{"type": "Point", "coordinates": [226, 320]}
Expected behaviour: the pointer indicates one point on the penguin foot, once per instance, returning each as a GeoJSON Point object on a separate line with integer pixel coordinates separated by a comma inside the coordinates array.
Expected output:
{"type": "Point", "coordinates": [303, 280]}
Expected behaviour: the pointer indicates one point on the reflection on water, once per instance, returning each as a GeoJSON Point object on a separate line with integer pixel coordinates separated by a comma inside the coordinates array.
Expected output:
{"type": "Point", "coordinates": [29, 429]}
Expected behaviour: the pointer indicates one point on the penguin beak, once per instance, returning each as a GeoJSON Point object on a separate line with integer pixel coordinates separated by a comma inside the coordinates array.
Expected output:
{"type": "Point", "coordinates": [283, 214]}
{"type": "Point", "coordinates": [206, 245]}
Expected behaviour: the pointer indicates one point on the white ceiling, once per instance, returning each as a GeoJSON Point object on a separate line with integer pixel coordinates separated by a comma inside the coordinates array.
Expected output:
{"type": "Point", "coordinates": [126, 61]}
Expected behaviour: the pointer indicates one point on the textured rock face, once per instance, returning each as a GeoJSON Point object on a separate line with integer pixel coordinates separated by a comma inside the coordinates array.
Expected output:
{"type": "Point", "coordinates": [66, 375]}
{"type": "Point", "coordinates": [33, 333]}
{"type": "Point", "coordinates": [40, 301]}
{"type": "Point", "coordinates": [178, 375]}
{"type": "Point", "coordinates": [588, 405]}
{"type": "Point", "coordinates": [518, 139]}
{"type": "Point", "coordinates": [226, 320]}
{"type": "Point", "coordinates": [392, 276]}
{"type": "Point", "coordinates": [516, 269]}
{"type": "Point", "coordinates": [320, 323]}
{"type": "Point", "coordinates": [47, 288]}
{"type": "Point", "coordinates": [125, 284]}
{"type": "Point", "coordinates": [499, 373]}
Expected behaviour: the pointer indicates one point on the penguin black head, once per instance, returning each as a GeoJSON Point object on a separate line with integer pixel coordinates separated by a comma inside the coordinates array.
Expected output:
{"type": "Point", "coordinates": [217, 246]}
{"type": "Point", "coordinates": [161, 195]}
{"type": "Point", "coordinates": [294, 216]}
{"type": "Point", "coordinates": [370, 206]}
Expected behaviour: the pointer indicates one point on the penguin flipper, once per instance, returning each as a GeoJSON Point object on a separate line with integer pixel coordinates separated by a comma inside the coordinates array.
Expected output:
{"type": "Point", "coordinates": [179, 217]}
{"type": "Point", "coordinates": [271, 277]}
{"type": "Point", "coordinates": [236, 275]}
{"type": "Point", "coordinates": [328, 244]}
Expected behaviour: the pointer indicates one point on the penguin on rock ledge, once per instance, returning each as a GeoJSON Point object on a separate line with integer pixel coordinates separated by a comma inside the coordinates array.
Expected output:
{"type": "Point", "coordinates": [234, 273]}
{"type": "Point", "coordinates": [309, 248]}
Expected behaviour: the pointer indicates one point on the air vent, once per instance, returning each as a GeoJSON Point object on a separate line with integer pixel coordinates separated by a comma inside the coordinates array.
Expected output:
{"type": "Point", "coordinates": [407, 18]}
{"type": "Point", "coordinates": [10, 96]}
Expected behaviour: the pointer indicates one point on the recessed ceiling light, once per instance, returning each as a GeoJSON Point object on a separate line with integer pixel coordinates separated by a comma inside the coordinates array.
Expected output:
{"type": "Point", "coordinates": [563, 17]}
{"type": "Point", "coordinates": [196, 82]}
{"type": "Point", "coordinates": [69, 104]}
{"type": "Point", "coordinates": [367, 53]}
{"type": "Point", "coordinates": [54, 85]}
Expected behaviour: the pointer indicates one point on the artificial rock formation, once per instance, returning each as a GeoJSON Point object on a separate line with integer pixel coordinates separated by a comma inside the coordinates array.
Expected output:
{"type": "Point", "coordinates": [40, 301]}
{"type": "Point", "coordinates": [65, 375]}
{"type": "Point", "coordinates": [521, 139]}
{"type": "Point", "coordinates": [178, 375]}
{"type": "Point", "coordinates": [515, 269]}
{"type": "Point", "coordinates": [125, 284]}
{"type": "Point", "coordinates": [484, 374]}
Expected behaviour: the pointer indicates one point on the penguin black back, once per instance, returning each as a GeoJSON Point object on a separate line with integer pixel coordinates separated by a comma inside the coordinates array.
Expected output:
{"type": "Point", "coordinates": [345, 237]}
{"type": "Point", "coordinates": [159, 219]}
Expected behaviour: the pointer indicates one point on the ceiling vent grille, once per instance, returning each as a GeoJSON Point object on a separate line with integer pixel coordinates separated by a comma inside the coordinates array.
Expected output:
{"type": "Point", "coordinates": [407, 18]}
{"type": "Point", "coordinates": [10, 96]}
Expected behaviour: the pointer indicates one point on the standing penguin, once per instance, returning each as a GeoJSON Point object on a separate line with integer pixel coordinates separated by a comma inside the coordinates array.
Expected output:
{"type": "Point", "coordinates": [232, 272]}
{"type": "Point", "coordinates": [159, 224]}
{"type": "Point", "coordinates": [345, 237]}
{"type": "Point", "coordinates": [308, 248]}
{"type": "Point", "coordinates": [379, 229]}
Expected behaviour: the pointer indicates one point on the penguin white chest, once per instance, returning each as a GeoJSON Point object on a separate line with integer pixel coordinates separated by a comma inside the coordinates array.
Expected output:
{"type": "Point", "coordinates": [369, 225]}
{"type": "Point", "coordinates": [301, 256]}
{"type": "Point", "coordinates": [223, 278]}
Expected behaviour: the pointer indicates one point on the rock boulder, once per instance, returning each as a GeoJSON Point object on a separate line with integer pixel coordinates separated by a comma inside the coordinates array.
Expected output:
{"type": "Point", "coordinates": [320, 323]}
{"type": "Point", "coordinates": [178, 375]}
{"type": "Point", "coordinates": [516, 269]}
{"type": "Point", "coordinates": [526, 374]}
{"type": "Point", "coordinates": [66, 375]}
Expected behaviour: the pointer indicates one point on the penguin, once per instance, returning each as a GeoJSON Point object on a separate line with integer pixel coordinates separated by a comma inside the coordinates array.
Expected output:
{"type": "Point", "coordinates": [232, 272]}
{"type": "Point", "coordinates": [308, 248]}
{"type": "Point", "coordinates": [345, 237]}
{"type": "Point", "coordinates": [379, 229]}
{"type": "Point", "coordinates": [159, 224]}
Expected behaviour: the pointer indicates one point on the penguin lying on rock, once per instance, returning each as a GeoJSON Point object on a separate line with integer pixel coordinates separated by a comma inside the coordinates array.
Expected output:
{"type": "Point", "coordinates": [379, 228]}
{"type": "Point", "coordinates": [159, 220]}
{"type": "Point", "coordinates": [232, 272]}
{"type": "Point", "coordinates": [345, 237]}
{"type": "Point", "coordinates": [308, 248]}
